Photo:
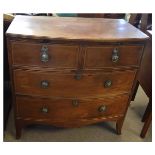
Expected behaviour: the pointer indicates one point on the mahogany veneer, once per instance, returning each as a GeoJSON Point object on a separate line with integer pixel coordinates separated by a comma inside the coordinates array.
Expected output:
{"type": "Point", "coordinates": [71, 72]}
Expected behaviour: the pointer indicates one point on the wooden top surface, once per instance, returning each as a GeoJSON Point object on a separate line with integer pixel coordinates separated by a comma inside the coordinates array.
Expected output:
{"type": "Point", "coordinates": [74, 28]}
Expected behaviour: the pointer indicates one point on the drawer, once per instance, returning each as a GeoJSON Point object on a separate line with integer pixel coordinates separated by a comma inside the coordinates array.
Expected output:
{"type": "Point", "coordinates": [112, 56]}
{"type": "Point", "coordinates": [65, 109]}
{"type": "Point", "coordinates": [67, 84]}
{"type": "Point", "coordinates": [45, 55]}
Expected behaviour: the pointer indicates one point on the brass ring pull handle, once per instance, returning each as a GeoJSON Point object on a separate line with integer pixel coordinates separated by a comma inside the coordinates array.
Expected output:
{"type": "Point", "coordinates": [75, 103]}
{"type": "Point", "coordinates": [44, 84]}
{"type": "Point", "coordinates": [107, 83]}
{"type": "Point", "coordinates": [102, 108]}
{"type": "Point", "coordinates": [44, 110]}
{"type": "Point", "coordinates": [115, 55]}
{"type": "Point", "coordinates": [44, 54]}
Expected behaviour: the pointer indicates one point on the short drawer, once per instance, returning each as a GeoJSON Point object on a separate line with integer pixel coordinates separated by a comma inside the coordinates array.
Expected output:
{"type": "Point", "coordinates": [113, 56]}
{"type": "Point", "coordinates": [70, 109]}
{"type": "Point", "coordinates": [59, 84]}
{"type": "Point", "coordinates": [45, 55]}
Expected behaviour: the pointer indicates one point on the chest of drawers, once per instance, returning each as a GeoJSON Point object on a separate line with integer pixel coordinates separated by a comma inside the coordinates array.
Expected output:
{"type": "Point", "coordinates": [70, 72]}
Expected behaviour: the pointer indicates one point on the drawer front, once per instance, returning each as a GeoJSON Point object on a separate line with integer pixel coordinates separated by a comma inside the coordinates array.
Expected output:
{"type": "Point", "coordinates": [112, 56]}
{"type": "Point", "coordinates": [55, 56]}
{"type": "Point", "coordinates": [65, 109]}
{"type": "Point", "coordinates": [59, 84]}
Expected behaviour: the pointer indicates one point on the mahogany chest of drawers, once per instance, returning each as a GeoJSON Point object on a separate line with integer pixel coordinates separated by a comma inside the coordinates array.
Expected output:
{"type": "Point", "coordinates": [71, 72]}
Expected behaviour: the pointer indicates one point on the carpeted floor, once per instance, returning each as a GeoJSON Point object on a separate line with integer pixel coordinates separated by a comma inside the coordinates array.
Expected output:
{"type": "Point", "coordinates": [102, 132]}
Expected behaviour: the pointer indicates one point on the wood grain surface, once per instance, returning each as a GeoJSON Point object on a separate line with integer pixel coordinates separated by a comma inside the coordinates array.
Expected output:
{"type": "Point", "coordinates": [63, 109]}
{"type": "Point", "coordinates": [71, 28]}
{"type": "Point", "coordinates": [66, 85]}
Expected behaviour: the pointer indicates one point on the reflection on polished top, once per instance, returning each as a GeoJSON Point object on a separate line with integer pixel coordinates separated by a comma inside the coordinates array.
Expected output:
{"type": "Point", "coordinates": [74, 28]}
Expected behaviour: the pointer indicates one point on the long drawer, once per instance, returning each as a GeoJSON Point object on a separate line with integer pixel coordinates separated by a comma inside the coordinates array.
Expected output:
{"type": "Point", "coordinates": [70, 109]}
{"type": "Point", "coordinates": [67, 84]}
